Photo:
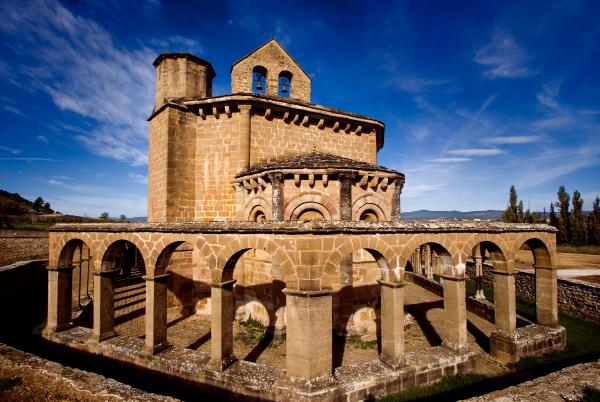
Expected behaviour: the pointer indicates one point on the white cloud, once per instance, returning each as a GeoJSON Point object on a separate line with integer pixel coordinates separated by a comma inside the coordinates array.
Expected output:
{"type": "Point", "coordinates": [43, 139]}
{"type": "Point", "coordinates": [86, 71]}
{"type": "Point", "coordinates": [449, 160]}
{"type": "Point", "coordinates": [414, 84]}
{"type": "Point", "coordinates": [513, 139]}
{"type": "Point", "coordinates": [32, 159]}
{"type": "Point", "coordinates": [503, 57]}
{"type": "Point", "coordinates": [476, 152]}
{"type": "Point", "coordinates": [13, 151]}
{"type": "Point", "coordinates": [547, 97]}
{"type": "Point", "coordinates": [138, 178]}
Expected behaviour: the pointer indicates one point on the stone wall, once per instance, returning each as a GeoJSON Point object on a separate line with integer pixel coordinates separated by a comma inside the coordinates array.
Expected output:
{"type": "Point", "coordinates": [23, 296]}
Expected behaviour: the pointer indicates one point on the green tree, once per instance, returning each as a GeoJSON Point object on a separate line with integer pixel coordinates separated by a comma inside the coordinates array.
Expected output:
{"type": "Point", "coordinates": [594, 223]}
{"type": "Point", "coordinates": [564, 224]}
{"type": "Point", "coordinates": [528, 216]}
{"type": "Point", "coordinates": [510, 214]}
{"type": "Point", "coordinates": [47, 206]}
{"type": "Point", "coordinates": [104, 216]}
{"type": "Point", "coordinates": [553, 217]}
{"type": "Point", "coordinates": [122, 218]}
{"type": "Point", "coordinates": [578, 224]}
{"type": "Point", "coordinates": [520, 217]}
{"type": "Point", "coordinates": [38, 203]}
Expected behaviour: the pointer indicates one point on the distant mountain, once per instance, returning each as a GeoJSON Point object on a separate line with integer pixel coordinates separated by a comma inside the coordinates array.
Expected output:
{"type": "Point", "coordinates": [14, 204]}
{"type": "Point", "coordinates": [138, 219]}
{"type": "Point", "coordinates": [426, 214]}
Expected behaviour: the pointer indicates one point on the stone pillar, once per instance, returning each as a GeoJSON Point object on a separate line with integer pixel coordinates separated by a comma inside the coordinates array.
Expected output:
{"type": "Point", "coordinates": [479, 295]}
{"type": "Point", "coordinates": [503, 338]}
{"type": "Point", "coordinates": [278, 198]}
{"type": "Point", "coordinates": [428, 270]}
{"type": "Point", "coordinates": [398, 184]}
{"type": "Point", "coordinates": [344, 298]}
{"type": "Point", "coordinates": [345, 180]}
{"type": "Point", "coordinates": [156, 314]}
{"type": "Point", "coordinates": [418, 260]}
{"type": "Point", "coordinates": [546, 296]}
{"type": "Point", "coordinates": [455, 312]}
{"type": "Point", "coordinates": [104, 305]}
{"type": "Point", "coordinates": [392, 323]}
{"type": "Point", "coordinates": [59, 298]}
{"type": "Point", "coordinates": [221, 325]}
{"type": "Point", "coordinates": [309, 333]}
{"type": "Point", "coordinates": [245, 137]}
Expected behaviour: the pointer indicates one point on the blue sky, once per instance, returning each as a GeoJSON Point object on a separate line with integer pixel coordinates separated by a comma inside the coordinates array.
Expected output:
{"type": "Point", "coordinates": [475, 95]}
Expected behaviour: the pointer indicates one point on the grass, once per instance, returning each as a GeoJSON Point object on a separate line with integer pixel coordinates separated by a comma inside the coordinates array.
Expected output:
{"type": "Point", "coordinates": [589, 249]}
{"type": "Point", "coordinates": [6, 384]}
{"type": "Point", "coordinates": [472, 287]}
{"type": "Point", "coordinates": [360, 344]}
{"type": "Point", "coordinates": [31, 226]}
{"type": "Point", "coordinates": [253, 331]}
{"type": "Point", "coordinates": [445, 385]}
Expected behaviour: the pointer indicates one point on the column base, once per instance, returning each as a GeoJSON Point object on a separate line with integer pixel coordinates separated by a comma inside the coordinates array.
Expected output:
{"type": "Point", "coordinates": [221, 364]}
{"type": "Point", "coordinates": [456, 347]}
{"type": "Point", "coordinates": [152, 350]}
{"type": "Point", "coordinates": [49, 331]}
{"type": "Point", "coordinates": [395, 363]}
{"type": "Point", "coordinates": [504, 347]}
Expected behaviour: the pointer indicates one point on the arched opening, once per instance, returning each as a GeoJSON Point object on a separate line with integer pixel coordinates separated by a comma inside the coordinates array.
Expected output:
{"type": "Point", "coordinates": [77, 253]}
{"type": "Point", "coordinates": [311, 214]}
{"type": "Point", "coordinates": [258, 322]}
{"type": "Point", "coordinates": [310, 211]}
{"type": "Point", "coordinates": [357, 307]}
{"type": "Point", "coordinates": [369, 216]}
{"type": "Point", "coordinates": [126, 262]}
{"type": "Point", "coordinates": [258, 215]}
{"type": "Point", "coordinates": [538, 280]}
{"type": "Point", "coordinates": [259, 80]}
{"type": "Point", "coordinates": [285, 84]}
{"type": "Point", "coordinates": [428, 260]}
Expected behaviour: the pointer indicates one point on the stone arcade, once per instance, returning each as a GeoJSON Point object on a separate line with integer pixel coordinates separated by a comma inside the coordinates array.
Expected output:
{"type": "Point", "coordinates": [262, 204]}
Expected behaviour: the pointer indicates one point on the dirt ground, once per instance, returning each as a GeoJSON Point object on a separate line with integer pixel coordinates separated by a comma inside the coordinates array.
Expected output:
{"type": "Point", "coordinates": [20, 245]}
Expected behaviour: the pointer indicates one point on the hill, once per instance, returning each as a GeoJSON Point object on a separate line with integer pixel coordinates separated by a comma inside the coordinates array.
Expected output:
{"type": "Point", "coordinates": [426, 214]}
{"type": "Point", "coordinates": [14, 204]}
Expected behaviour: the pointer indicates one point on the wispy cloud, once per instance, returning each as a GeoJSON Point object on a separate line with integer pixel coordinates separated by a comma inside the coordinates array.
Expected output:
{"type": "Point", "coordinates": [43, 139]}
{"type": "Point", "coordinates": [138, 178]}
{"type": "Point", "coordinates": [513, 139]}
{"type": "Point", "coordinates": [32, 159]}
{"type": "Point", "coordinates": [476, 152]}
{"type": "Point", "coordinates": [85, 71]}
{"type": "Point", "coordinates": [414, 84]}
{"type": "Point", "coordinates": [449, 160]}
{"type": "Point", "coordinates": [548, 97]}
{"type": "Point", "coordinates": [14, 110]}
{"type": "Point", "coordinates": [13, 151]}
{"type": "Point", "coordinates": [503, 57]}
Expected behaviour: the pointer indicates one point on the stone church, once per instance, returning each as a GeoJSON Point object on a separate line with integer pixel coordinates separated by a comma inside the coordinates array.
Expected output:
{"type": "Point", "coordinates": [263, 205]}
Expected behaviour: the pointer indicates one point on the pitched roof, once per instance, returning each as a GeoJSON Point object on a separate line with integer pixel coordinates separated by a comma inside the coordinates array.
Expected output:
{"type": "Point", "coordinates": [280, 46]}
{"type": "Point", "coordinates": [315, 160]}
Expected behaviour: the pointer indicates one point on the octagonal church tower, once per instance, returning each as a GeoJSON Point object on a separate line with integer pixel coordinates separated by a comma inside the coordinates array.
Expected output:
{"type": "Point", "coordinates": [262, 152]}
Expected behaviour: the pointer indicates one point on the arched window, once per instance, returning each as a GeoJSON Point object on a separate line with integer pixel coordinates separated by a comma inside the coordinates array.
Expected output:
{"type": "Point", "coordinates": [259, 80]}
{"type": "Point", "coordinates": [311, 215]}
{"type": "Point", "coordinates": [369, 216]}
{"type": "Point", "coordinates": [285, 83]}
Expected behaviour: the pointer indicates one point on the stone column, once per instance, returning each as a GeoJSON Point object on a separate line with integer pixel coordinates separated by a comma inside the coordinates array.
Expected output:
{"type": "Point", "coordinates": [156, 314]}
{"type": "Point", "coordinates": [546, 296]}
{"type": "Point", "coordinates": [345, 181]}
{"type": "Point", "coordinates": [343, 300]}
{"type": "Point", "coordinates": [455, 312]}
{"type": "Point", "coordinates": [104, 305]}
{"type": "Point", "coordinates": [503, 338]}
{"type": "Point", "coordinates": [479, 295]}
{"type": "Point", "coordinates": [59, 298]}
{"type": "Point", "coordinates": [245, 136]}
{"type": "Point", "coordinates": [221, 325]}
{"type": "Point", "coordinates": [428, 270]}
{"type": "Point", "coordinates": [398, 184]}
{"type": "Point", "coordinates": [278, 198]}
{"type": "Point", "coordinates": [309, 333]}
{"type": "Point", "coordinates": [392, 323]}
{"type": "Point", "coordinates": [417, 268]}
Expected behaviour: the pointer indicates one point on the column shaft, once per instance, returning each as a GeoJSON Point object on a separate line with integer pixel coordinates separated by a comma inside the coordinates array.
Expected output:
{"type": "Point", "coordinates": [505, 302]}
{"type": "Point", "coordinates": [59, 298]}
{"type": "Point", "coordinates": [221, 325]}
{"type": "Point", "coordinates": [398, 184]}
{"type": "Point", "coordinates": [455, 310]}
{"type": "Point", "coordinates": [345, 181]}
{"type": "Point", "coordinates": [104, 312]}
{"type": "Point", "coordinates": [546, 296]}
{"type": "Point", "coordinates": [278, 197]}
{"type": "Point", "coordinates": [245, 136]}
{"type": "Point", "coordinates": [392, 323]}
{"type": "Point", "coordinates": [428, 271]}
{"type": "Point", "coordinates": [156, 314]}
{"type": "Point", "coordinates": [309, 333]}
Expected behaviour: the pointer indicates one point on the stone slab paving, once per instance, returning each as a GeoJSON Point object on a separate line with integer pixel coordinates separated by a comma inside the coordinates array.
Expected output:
{"type": "Point", "coordinates": [41, 379]}
{"type": "Point", "coordinates": [563, 385]}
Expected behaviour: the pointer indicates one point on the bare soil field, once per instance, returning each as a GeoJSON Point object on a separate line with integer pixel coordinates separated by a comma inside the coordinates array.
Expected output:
{"type": "Point", "coordinates": [20, 245]}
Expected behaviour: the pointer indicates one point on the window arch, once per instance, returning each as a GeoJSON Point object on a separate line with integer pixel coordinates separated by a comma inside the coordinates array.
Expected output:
{"type": "Point", "coordinates": [259, 80]}
{"type": "Point", "coordinates": [285, 84]}
{"type": "Point", "coordinates": [369, 215]}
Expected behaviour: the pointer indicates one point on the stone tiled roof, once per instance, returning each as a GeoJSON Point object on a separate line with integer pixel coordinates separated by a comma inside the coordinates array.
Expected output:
{"type": "Point", "coordinates": [322, 227]}
{"type": "Point", "coordinates": [316, 160]}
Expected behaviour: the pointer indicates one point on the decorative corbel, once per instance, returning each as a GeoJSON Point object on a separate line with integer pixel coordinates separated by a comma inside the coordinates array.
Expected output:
{"type": "Point", "coordinates": [305, 121]}
{"type": "Point", "coordinates": [347, 129]}
{"type": "Point", "coordinates": [201, 114]}
{"type": "Point", "coordinates": [311, 180]}
{"type": "Point", "coordinates": [263, 184]}
{"type": "Point", "coordinates": [374, 181]}
{"type": "Point", "coordinates": [363, 181]}
{"type": "Point", "coordinates": [286, 116]}
{"type": "Point", "coordinates": [384, 183]}
{"type": "Point", "coordinates": [336, 126]}
{"type": "Point", "coordinates": [295, 119]}
{"type": "Point", "coordinates": [325, 179]}
{"type": "Point", "coordinates": [321, 123]}
{"type": "Point", "coordinates": [297, 180]}
{"type": "Point", "coordinates": [228, 111]}
{"type": "Point", "coordinates": [215, 112]}
{"type": "Point", "coordinates": [268, 113]}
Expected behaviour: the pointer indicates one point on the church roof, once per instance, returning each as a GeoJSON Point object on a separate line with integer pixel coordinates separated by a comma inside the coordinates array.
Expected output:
{"type": "Point", "coordinates": [315, 160]}
{"type": "Point", "coordinates": [280, 46]}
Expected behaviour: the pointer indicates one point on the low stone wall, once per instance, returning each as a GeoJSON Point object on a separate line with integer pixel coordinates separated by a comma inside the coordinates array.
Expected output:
{"type": "Point", "coordinates": [23, 296]}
